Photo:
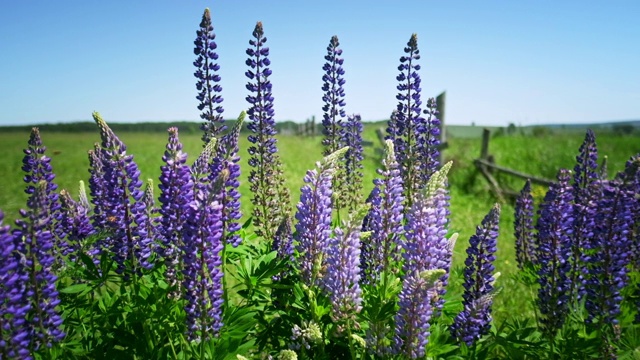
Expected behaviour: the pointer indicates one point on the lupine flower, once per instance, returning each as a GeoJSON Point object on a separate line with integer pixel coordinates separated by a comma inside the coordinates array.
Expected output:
{"type": "Point", "coordinates": [202, 273]}
{"type": "Point", "coordinates": [208, 85]}
{"type": "Point", "coordinates": [307, 335]}
{"type": "Point", "coordinates": [426, 246]}
{"type": "Point", "coordinates": [74, 223]}
{"type": "Point", "coordinates": [36, 247]}
{"type": "Point", "coordinates": [14, 302]}
{"type": "Point", "coordinates": [430, 141]}
{"type": "Point", "coordinates": [523, 227]}
{"type": "Point", "coordinates": [419, 290]}
{"type": "Point", "coordinates": [474, 320]}
{"type": "Point", "coordinates": [313, 230]}
{"type": "Point", "coordinates": [333, 97]}
{"type": "Point", "coordinates": [555, 229]}
{"type": "Point", "coordinates": [270, 196]}
{"type": "Point", "coordinates": [384, 220]}
{"type": "Point", "coordinates": [225, 172]}
{"type": "Point", "coordinates": [406, 126]}
{"type": "Point", "coordinates": [97, 189]}
{"type": "Point", "coordinates": [287, 355]}
{"type": "Point", "coordinates": [147, 226]}
{"type": "Point", "coordinates": [342, 279]}
{"type": "Point", "coordinates": [176, 192]}
{"type": "Point", "coordinates": [123, 216]}
{"type": "Point", "coordinates": [283, 241]}
{"type": "Point", "coordinates": [587, 189]}
{"type": "Point", "coordinates": [608, 269]}
{"type": "Point", "coordinates": [351, 188]}
{"type": "Point", "coordinates": [37, 167]}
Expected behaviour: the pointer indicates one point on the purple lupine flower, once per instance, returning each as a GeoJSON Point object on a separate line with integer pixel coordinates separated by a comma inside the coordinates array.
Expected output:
{"type": "Point", "coordinates": [523, 227]}
{"type": "Point", "coordinates": [122, 201]}
{"type": "Point", "coordinates": [208, 85]}
{"type": "Point", "coordinates": [225, 172]}
{"type": "Point", "coordinates": [587, 189]}
{"type": "Point", "coordinates": [270, 196]}
{"type": "Point", "coordinates": [612, 239]}
{"type": "Point", "coordinates": [176, 192]}
{"type": "Point", "coordinates": [406, 126]}
{"type": "Point", "coordinates": [37, 167]}
{"type": "Point", "coordinates": [147, 225]}
{"type": "Point", "coordinates": [333, 97]}
{"type": "Point", "coordinates": [426, 246]}
{"type": "Point", "coordinates": [555, 229]}
{"type": "Point", "coordinates": [97, 188]}
{"type": "Point", "coordinates": [203, 272]}
{"type": "Point", "coordinates": [313, 230]}
{"type": "Point", "coordinates": [474, 320]}
{"type": "Point", "coordinates": [75, 224]}
{"type": "Point", "coordinates": [35, 243]}
{"type": "Point", "coordinates": [342, 278]}
{"type": "Point", "coordinates": [351, 136]}
{"type": "Point", "coordinates": [384, 220]}
{"type": "Point", "coordinates": [14, 303]}
{"type": "Point", "coordinates": [429, 141]}
{"type": "Point", "coordinates": [419, 291]}
{"type": "Point", "coordinates": [283, 241]}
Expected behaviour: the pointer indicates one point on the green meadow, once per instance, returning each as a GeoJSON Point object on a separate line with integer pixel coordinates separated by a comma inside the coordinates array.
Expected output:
{"type": "Point", "coordinates": [471, 197]}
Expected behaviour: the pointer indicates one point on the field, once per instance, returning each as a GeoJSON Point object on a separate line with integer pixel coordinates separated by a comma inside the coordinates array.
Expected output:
{"type": "Point", "coordinates": [470, 195]}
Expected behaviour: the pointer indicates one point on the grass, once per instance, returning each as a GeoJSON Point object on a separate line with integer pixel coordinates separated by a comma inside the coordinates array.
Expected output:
{"type": "Point", "coordinates": [470, 195]}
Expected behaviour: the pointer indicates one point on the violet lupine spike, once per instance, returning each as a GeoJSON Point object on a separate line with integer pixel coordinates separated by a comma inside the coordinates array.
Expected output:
{"type": "Point", "coordinates": [97, 188]}
{"type": "Point", "coordinates": [342, 279]}
{"type": "Point", "coordinates": [474, 320]}
{"type": "Point", "coordinates": [283, 241]}
{"type": "Point", "coordinates": [587, 189]}
{"type": "Point", "coordinates": [225, 171]}
{"type": "Point", "coordinates": [122, 201]}
{"type": "Point", "coordinates": [146, 225]}
{"type": "Point", "coordinates": [313, 230]}
{"type": "Point", "coordinates": [333, 97]}
{"type": "Point", "coordinates": [523, 227]}
{"type": "Point", "coordinates": [426, 246]}
{"type": "Point", "coordinates": [351, 136]}
{"type": "Point", "coordinates": [408, 124]}
{"type": "Point", "coordinates": [176, 192]}
{"type": "Point", "coordinates": [36, 247]}
{"type": "Point", "coordinates": [429, 141]}
{"type": "Point", "coordinates": [202, 272]}
{"type": "Point", "coordinates": [419, 291]}
{"type": "Point", "coordinates": [75, 224]}
{"type": "Point", "coordinates": [270, 196]}
{"type": "Point", "coordinates": [14, 301]}
{"type": "Point", "coordinates": [37, 167]}
{"type": "Point", "coordinates": [608, 268]}
{"type": "Point", "coordinates": [208, 85]}
{"type": "Point", "coordinates": [555, 229]}
{"type": "Point", "coordinates": [384, 220]}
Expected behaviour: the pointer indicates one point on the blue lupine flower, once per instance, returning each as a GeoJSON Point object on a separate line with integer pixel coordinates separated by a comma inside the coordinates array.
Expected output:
{"type": "Point", "coordinates": [176, 192]}
{"type": "Point", "coordinates": [474, 320]}
{"type": "Point", "coordinates": [333, 97]}
{"type": "Point", "coordinates": [75, 224]}
{"type": "Point", "coordinates": [555, 229]}
{"type": "Point", "coordinates": [612, 239]}
{"type": "Point", "coordinates": [429, 141]}
{"type": "Point", "coordinates": [225, 174]}
{"type": "Point", "coordinates": [203, 272]}
{"type": "Point", "coordinates": [270, 196]}
{"type": "Point", "coordinates": [208, 85]}
{"type": "Point", "coordinates": [14, 302]}
{"type": "Point", "coordinates": [351, 136]}
{"type": "Point", "coordinates": [523, 227]}
{"type": "Point", "coordinates": [406, 127]}
{"type": "Point", "coordinates": [122, 202]}
{"type": "Point", "coordinates": [384, 220]}
{"type": "Point", "coordinates": [35, 245]}
{"type": "Point", "coordinates": [419, 292]}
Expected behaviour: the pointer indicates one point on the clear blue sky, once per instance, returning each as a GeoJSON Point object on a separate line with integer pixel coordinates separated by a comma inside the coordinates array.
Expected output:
{"type": "Point", "coordinates": [526, 62]}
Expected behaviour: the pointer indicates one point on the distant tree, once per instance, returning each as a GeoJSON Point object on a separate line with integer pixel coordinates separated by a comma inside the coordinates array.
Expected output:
{"type": "Point", "coordinates": [623, 129]}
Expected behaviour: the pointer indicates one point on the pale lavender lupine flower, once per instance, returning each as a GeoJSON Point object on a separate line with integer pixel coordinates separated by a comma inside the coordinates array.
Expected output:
{"type": "Point", "coordinates": [313, 230]}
